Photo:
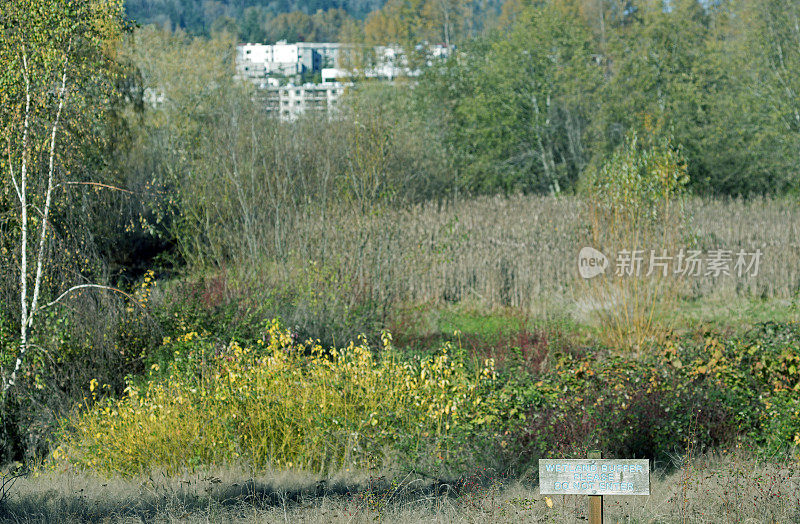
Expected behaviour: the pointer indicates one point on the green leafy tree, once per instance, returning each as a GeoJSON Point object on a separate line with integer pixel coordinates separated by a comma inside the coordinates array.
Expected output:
{"type": "Point", "coordinates": [655, 71]}
{"type": "Point", "coordinates": [56, 82]}
{"type": "Point", "coordinates": [252, 27]}
{"type": "Point", "coordinates": [518, 104]}
{"type": "Point", "coordinates": [768, 64]}
{"type": "Point", "coordinates": [411, 22]}
{"type": "Point", "coordinates": [708, 74]}
{"type": "Point", "coordinates": [292, 27]}
{"type": "Point", "coordinates": [329, 25]}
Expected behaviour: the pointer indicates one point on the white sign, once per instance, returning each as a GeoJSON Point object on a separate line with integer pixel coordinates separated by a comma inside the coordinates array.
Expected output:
{"type": "Point", "coordinates": [594, 477]}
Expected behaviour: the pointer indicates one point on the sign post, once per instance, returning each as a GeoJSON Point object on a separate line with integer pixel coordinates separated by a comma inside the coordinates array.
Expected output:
{"type": "Point", "coordinates": [594, 477]}
{"type": "Point", "coordinates": [595, 501]}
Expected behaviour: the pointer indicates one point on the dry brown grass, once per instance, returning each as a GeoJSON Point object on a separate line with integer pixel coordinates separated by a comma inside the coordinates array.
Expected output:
{"type": "Point", "coordinates": [728, 487]}
{"type": "Point", "coordinates": [518, 251]}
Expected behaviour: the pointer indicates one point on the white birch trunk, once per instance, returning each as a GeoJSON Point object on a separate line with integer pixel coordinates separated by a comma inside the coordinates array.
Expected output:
{"type": "Point", "coordinates": [23, 200]}
{"type": "Point", "coordinates": [28, 313]}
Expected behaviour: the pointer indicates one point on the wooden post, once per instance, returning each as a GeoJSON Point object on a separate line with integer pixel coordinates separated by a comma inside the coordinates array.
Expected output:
{"type": "Point", "coordinates": [595, 501]}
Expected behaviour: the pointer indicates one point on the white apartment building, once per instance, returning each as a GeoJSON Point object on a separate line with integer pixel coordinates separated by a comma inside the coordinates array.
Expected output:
{"type": "Point", "coordinates": [276, 71]}
{"type": "Point", "coordinates": [289, 101]}
{"type": "Point", "coordinates": [260, 61]}
{"type": "Point", "coordinates": [257, 61]}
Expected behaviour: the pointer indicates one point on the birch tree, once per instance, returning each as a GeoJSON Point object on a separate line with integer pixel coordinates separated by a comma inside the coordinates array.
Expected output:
{"type": "Point", "coordinates": [55, 82]}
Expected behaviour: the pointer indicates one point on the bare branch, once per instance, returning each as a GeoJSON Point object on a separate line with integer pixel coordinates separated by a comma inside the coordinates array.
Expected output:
{"type": "Point", "coordinates": [97, 184]}
{"type": "Point", "coordinates": [7, 482]}
{"type": "Point", "coordinates": [18, 363]}
{"type": "Point", "coordinates": [95, 286]}
{"type": "Point", "coordinates": [11, 169]}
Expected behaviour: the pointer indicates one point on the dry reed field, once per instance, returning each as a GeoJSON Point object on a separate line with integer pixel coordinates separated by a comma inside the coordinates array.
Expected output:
{"type": "Point", "coordinates": [523, 251]}
{"type": "Point", "coordinates": [727, 487]}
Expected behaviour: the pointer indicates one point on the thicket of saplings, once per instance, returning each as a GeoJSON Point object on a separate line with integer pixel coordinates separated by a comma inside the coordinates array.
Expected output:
{"type": "Point", "coordinates": [337, 225]}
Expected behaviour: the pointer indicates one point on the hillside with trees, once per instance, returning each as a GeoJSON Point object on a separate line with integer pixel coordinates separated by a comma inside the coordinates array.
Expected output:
{"type": "Point", "coordinates": [204, 16]}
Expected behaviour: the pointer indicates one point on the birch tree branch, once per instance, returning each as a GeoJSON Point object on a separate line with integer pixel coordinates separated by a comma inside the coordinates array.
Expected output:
{"type": "Point", "coordinates": [95, 286]}
{"type": "Point", "coordinates": [97, 184]}
{"type": "Point", "coordinates": [49, 195]}
{"type": "Point", "coordinates": [11, 170]}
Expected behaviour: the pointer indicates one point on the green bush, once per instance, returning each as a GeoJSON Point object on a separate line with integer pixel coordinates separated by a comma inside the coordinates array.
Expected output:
{"type": "Point", "coordinates": [281, 403]}
{"type": "Point", "coordinates": [284, 404]}
{"type": "Point", "coordinates": [710, 393]}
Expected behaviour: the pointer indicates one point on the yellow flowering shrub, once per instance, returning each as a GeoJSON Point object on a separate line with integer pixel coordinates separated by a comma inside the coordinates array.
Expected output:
{"type": "Point", "coordinates": [281, 404]}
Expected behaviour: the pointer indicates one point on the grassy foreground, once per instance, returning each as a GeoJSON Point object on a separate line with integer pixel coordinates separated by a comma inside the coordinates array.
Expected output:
{"type": "Point", "coordinates": [282, 431]}
{"type": "Point", "coordinates": [729, 487]}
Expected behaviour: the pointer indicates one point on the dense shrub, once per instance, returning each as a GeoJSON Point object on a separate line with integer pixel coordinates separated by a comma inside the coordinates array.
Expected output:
{"type": "Point", "coordinates": [653, 405]}
{"type": "Point", "coordinates": [625, 406]}
{"type": "Point", "coordinates": [283, 404]}
{"type": "Point", "coordinates": [315, 301]}
{"type": "Point", "coordinates": [99, 335]}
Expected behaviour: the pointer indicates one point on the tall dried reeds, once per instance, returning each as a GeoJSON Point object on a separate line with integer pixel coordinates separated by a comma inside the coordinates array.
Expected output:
{"type": "Point", "coordinates": [520, 251]}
